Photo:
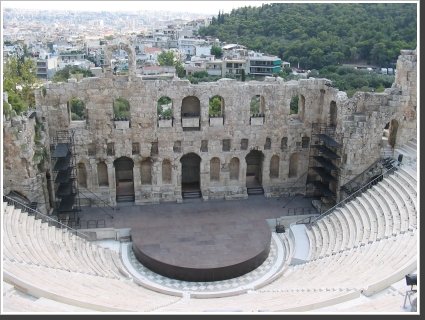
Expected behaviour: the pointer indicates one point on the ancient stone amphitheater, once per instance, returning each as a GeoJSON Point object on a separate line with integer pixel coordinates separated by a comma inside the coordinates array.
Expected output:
{"type": "Point", "coordinates": [351, 257]}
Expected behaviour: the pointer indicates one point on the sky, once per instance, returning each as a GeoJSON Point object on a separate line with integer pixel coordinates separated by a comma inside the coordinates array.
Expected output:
{"type": "Point", "coordinates": [208, 7]}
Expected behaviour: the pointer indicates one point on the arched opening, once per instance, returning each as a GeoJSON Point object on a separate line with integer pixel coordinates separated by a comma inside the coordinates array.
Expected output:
{"type": "Point", "coordinates": [257, 105]}
{"type": "Point", "coordinates": [234, 169]}
{"type": "Point", "coordinates": [293, 105]}
{"type": "Point", "coordinates": [191, 177]}
{"type": "Point", "coordinates": [102, 174]}
{"type": "Point", "coordinates": [164, 107]}
{"type": "Point", "coordinates": [119, 62]}
{"type": "Point", "coordinates": [301, 107]}
{"type": "Point", "coordinates": [333, 113]}
{"type": "Point", "coordinates": [82, 174]}
{"type": "Point", "coordinates": [119, 59]}
{"type": "Point", "coordinates": [76, 110]}
{"type": "Point", "coordinates": [124, 179]}
{"type": "Point", "coordinates": [166, 171]}
{"type": "Point", "coordinates": [215, 169]}
{"type": "Point", "coordinates": [191, 114]}
{"type": "Point", "coordinates": [392, 137]}
{"type": "Point", "coordinates": [274, 167]}
{"type": "Point", "coordinates": [216, 106]}
{"type": "Point", "coordinates": [146, 172]}
{"type": "Point", "coordinates": [293, 166]}
{"type": "Point", "coordinates": [254, 169]}
{"type": "Point", "coordinates": [121, 108]}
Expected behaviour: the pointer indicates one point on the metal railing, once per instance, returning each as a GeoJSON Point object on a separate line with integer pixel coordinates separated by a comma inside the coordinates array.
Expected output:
{"type": "Point", "coordinates": [286, 190]}
{"type": "Point", "coordinates": [96, 197]}
{"type": "Point", "coordinates": [356, 193]}
{"type": "Point", "coordinates": [43, 217]}
{"type": "Point", "coordinates": [348, 184]}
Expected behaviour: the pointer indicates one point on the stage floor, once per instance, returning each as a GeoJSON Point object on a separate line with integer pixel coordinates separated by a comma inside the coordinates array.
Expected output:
{"type": "Point", "coordinates": [207, 246]}
{"type": "Point", "coordinates": [204, 236]}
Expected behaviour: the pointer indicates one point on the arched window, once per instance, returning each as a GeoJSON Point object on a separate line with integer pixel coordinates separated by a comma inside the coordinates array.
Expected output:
{"type": "Point", "coordinates": [274, 167]}
{"type": "Point", "coordinates": [333, 113]}
{"type": "Point", "coordinates": [215, 169]}
{"type": "Point", "coordinates": [293, 106]}
{"type": "Point", "coordinates": [82, 175]}
{"type": "Point", "coordinates": [102, 174]}
{"type": "Point", "coordinates": [191, 114]}
{"type": "Point", "coordinates": [216, 106]}
{"type": "Point", "coordinates": [164, 107]}
{"type": "Point", "coordinates": [121, 108]}
{"type": "Point", "coordinates": [234, 169]}
{"type": "Point", "coordinates": [293, 166]}
{"type": "Point", "coordinates": [301, 107]}
{"type": "Point", "coordinates": [257, 105]}
{"type": "Point", "coordinates": [145, 172]}
{"type": "Point", "coordinates": [77, 110]}
{"type": "Point", "coordinates": [166, 171]}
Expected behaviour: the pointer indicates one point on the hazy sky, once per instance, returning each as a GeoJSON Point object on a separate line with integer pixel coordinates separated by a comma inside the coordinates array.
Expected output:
{"type": "Point", "coordinates": [209, 7]}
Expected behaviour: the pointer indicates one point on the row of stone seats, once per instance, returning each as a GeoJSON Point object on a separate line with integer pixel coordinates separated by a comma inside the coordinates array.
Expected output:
{"type": "Point", "coordinates": [390, 302]}
{"type": "Point", "coordinates": [386, 209]}
{"type": "Point", "coordinates": [277, 301]}
{"type": "Point", "coordinates": [29, 240]}
{"type": "Point", "coordinates": [17, 303]}
{"type": "Point", "coordinates": [288, 247]}
{"type": "Point", "coordinates": [356, 268]}
{"type": "Point", "coordinates": [83, 290]}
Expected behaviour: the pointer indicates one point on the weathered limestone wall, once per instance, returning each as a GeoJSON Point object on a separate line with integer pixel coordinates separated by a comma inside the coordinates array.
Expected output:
{"type": "Point", "coordinates": [162, 143]}
{"type": "Point", "coordinates": [23, 157]}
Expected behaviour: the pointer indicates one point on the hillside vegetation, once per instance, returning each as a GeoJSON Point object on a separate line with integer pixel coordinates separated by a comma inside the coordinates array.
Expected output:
{"type": "Point", "coordinates": [321, 34]}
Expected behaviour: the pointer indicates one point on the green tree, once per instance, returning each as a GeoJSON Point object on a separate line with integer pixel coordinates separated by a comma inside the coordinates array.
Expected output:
{"type": "Point", "coordinates": [215, 105]}
{"type": "Point", "coordinates": [216, 51]}
{"type": "Point", "coordinates": [78, 111]}
{"type": "Point", "coordinates": [293, 106]}
{"type": "Point", "coordinates": [121, 108]}
{"type": "Point", "coordinates": [255, 105]}
{"type": "Point", "coordinates": [166, 58]}
{"type": "Point", "coordinates": [379, 53]}
{"type": "Point", "coordinates": [18, 80]}
{"type": "Point", "coordinates": [64, 74]}
{"type": "Point", "coordinates": [243, 76]}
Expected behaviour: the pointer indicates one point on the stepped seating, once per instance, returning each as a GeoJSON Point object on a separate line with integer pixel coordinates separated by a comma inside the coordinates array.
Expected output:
{"type": "Point", "coordinates": [82, 290]}
{"type": "Point", "coordinates": [389, 203]}
{"type": "Point", "coordinates": [382, 227]}
{"type": "Point", "coordinates": [358, 229]}
{"type": "Point", "coordinates": [16, 303]}
{"type": "Point", "coordinates": [337, 231]}
{"type": "Point", "coordinates": [34, 242]}
{"type": "Point", "coordinates": [263, 300]}
{"type": "Point", "coordinates": [360, 246]}
{"type": "Point", "coordinates": [356, 268]}
{"type": "Point", "coordinates": [390, 302]}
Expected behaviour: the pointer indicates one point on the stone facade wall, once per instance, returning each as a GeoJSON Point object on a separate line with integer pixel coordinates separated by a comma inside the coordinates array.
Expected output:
{"type": "Point", "coordinates": [99, 139]}
{"type": "Point", "coordinates": [25, 162]}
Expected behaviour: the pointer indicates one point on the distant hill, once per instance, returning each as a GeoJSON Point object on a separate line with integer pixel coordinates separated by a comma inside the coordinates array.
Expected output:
{"type": "Point", "coordinates": [320, 34]}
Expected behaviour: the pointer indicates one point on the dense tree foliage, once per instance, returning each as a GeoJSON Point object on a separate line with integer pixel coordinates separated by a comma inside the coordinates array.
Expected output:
{"type": "Point", "coordinates": [160, 107]}
{"type": "Point", "coordinates": [201, 76]}
{"type": "Point", "coordinates": [351, 80]}
{"type": "Point", "coordinates": [18, 81]}
{"type": "Point", "coordinates": [78, 111]}
{"type": "Point", "coordinates": [215, 105]}
{"type": "Point", "coordinates": [121, 108]}
{"type": "Point", "coordinates": [320, 34]}
{"type": "Point", "coordinates": [216, 51]}
{"type": "Point", "coordinates": [64, 74]}
{"type": "Point", "coordinates": [167, 58]}
{"type": "Point", "coordinates": [293, 106]}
